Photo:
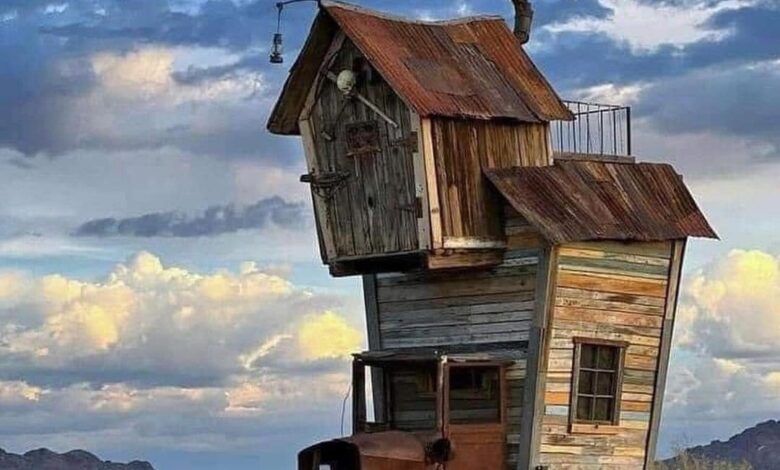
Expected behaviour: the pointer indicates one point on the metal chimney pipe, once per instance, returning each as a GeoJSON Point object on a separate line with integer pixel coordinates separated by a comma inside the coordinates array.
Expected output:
{"type": "Point", "coordinates": [524, 15]}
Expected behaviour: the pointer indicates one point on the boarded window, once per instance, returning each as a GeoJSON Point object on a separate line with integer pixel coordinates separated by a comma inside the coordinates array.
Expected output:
{"type": "Point", "coordinates": [362, 138]}
{"type": "Point", "coordinates": [475, 395]}
{"type": "Point", "coordinates": [598, 376]}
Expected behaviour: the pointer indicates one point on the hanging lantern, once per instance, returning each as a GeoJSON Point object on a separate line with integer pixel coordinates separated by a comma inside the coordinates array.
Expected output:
{"type": "Point", "coordinates": [276, 49]}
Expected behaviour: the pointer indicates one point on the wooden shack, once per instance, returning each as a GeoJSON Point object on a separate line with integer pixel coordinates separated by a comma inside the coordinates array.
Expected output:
{"type": "Point", "coordinates": [433, 176]}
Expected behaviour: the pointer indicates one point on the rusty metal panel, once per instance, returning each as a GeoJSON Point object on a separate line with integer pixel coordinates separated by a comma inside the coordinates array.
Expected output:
{"type": "Point", "coordinates": [468, 68]}
{"type": "Point", "coordinates": [580, 200]}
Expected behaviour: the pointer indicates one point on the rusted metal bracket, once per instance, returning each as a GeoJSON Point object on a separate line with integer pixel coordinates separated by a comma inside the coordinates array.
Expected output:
{"type": "Point", "coordinates": [325, 185]}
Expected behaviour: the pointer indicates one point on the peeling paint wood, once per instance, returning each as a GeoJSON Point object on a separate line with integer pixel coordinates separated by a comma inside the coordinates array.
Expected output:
{"type": "Point", "coordinates": [614, 292]}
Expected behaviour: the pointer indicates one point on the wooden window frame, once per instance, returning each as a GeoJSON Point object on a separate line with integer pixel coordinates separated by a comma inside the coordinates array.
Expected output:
{"type": "Point", "coordinates": [579, 425]}
{"type": "Point", "coordinates": [445, 395]}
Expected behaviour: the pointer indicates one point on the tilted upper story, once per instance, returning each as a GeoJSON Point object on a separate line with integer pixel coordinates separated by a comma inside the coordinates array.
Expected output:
{"type": "Point", "coordinates": [417, 134]}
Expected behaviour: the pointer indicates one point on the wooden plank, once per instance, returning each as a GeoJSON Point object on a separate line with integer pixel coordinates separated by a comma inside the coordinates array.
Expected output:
{"type": "Point", "coordinates": [611, 283]}
{"type": "Point", "coordinates": [607, 317]}
{"type": "Point", "coordinates": [423, 305]}
{"type": "Point", "coordinates": [426, 136]}
{"type": "Point", "coordinates": [608, 266]}
{"type": "Point", "coordinates": [677, 256]}
{"type": "Point", "coordinates": [502, 285]}
{"type": "Point", "coordinates": [571, 251]}
{"type": "Point", "coordinates": [655, 249]}
{"type": "Point", "coordinates": [474, 243]}
{"type": "Point", "coordinates": [461, 259]}
{"type": "Point", "coordinates": [533, 397]}
{"type": "Point", "coordinates": [607, 306]}
{"type": "Point", "coordinates": [573, 293]}
{"type": "Point", "coordinates": [324, 226]}
{"type": "Point", "coordinates": [421, 184]}
{"type": "Point", "coordinates": [374, 343]}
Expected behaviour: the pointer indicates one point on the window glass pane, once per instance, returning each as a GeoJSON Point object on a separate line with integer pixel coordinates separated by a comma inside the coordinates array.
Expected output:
{"type": "Point", "coordinates": [475, 395]}
{"type": "Point", "coordinates": [413, 391]}
{"type": "Point", "coordinates": [603, 409]}
{"type": "Point", "coordinates": [588, 356]}
{"type": "Point", "coordinates": [597, 382]}
{"type": "Point", "coordinates": [583, 408]}
{"type": "Point", "coordinates": [604, 383]}
{"type": "Point", "coordinates": [607, 357]}
{"type": "Point", "coordinates": [586, 382]}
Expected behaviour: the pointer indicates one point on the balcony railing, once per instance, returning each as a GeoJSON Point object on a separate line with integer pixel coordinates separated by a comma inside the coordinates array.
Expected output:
{"type": "Point", "coordinates": [599, 129]}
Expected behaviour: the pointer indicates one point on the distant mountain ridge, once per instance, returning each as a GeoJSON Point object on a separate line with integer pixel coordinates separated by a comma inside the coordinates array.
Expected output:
{"type": "Point", "coordinates": [45, 459]}
{"type": "Point", "coordinates": [759, 446]}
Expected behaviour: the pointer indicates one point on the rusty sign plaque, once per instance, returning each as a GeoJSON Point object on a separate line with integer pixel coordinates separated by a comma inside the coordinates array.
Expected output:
{"type": "Point", "coordinates": [362, 138]}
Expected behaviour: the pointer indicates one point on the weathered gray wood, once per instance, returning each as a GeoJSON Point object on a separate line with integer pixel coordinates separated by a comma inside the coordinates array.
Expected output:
{"type": "Point", "coordinates": [533, 401]}
{"type": "Point", "coordinates": [372, 209]}
{"type": "Point", "coordinates": [675, 276]}
{"type": "Point", "coordinates": [374, 343]}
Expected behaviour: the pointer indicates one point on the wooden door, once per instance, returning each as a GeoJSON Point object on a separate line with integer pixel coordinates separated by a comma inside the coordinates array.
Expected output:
{"type": "Point", "coordinates": [475, 416]}
{"type": "Point", "coordinates": [370, 205]}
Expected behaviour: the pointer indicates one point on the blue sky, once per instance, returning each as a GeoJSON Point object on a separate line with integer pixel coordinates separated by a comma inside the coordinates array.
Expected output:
{"type": "Point", "coordinates": [161, 294]}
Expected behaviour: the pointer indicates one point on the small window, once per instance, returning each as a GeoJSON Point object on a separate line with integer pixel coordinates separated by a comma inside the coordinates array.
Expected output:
{"type": "Point", "coordinates": [598, 376]}
{"type": "Point", "coordinates": [475, 395]}
{"type": "Point", "coordinates": [412, 398]}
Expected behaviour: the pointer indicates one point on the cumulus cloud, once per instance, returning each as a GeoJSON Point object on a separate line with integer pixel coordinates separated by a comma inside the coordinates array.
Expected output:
{"type": "Point", "coordinates": [114, 76]}
{"type": "Point", "coordinates": [730, 310]}
{"type": "Point", "coordinates": [147, 323]}
{"type": "Point", "coordinates": [727, 344]}
{"type": "Point", "coordinates": [156, 357]}
{"type": "Point", "coordinates": [215, 220]}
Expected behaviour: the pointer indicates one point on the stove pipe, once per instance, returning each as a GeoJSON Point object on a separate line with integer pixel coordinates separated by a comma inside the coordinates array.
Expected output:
{"type": "Point", "coordinates": [524, 16]}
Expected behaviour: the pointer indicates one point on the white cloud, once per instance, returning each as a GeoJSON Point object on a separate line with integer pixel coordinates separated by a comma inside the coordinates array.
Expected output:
{"type": "Point", "coordinates": [147, 74]}
{"type": "Point", "coordinates": [723, 375]}
{"type": "Point", "coordinates": [731, 311]}
{"type": "Point", "coordinates": [159, 356]}
{"type": "Point", "coordinates": [646, 26]}
{"type": "Point", "coordinates": [624, 95]}
{"type": "Point", "coordinates": [170, 324]}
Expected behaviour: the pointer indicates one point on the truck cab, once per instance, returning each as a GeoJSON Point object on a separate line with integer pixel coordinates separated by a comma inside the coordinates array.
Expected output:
{"type": "Point", "coordinates": [429, 410]}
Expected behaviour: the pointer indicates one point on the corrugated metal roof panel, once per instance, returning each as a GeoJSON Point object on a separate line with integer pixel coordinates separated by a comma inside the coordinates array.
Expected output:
{"type": "Point", "coordinates": [580, 201]}
{"type": "Point", "coordinates": [468, 68]}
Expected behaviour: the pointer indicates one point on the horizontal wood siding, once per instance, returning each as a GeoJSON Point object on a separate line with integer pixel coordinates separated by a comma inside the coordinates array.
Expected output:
{"type": "Point", "coordinates": [614, 291]}
{"type": "Point", "coordinates": [373, 211]}
{"type": "Point", "coordinates": [469, 207]}
{"type": "Point", "coordinates": [482, 308]}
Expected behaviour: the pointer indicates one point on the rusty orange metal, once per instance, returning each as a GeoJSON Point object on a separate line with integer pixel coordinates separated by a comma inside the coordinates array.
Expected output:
{"type": "Point", "coordinates": [591, 200]}
{"type": "Point", "coordinates": [455, 446]}
{"type": "Point", "coordinates": [471, 68]}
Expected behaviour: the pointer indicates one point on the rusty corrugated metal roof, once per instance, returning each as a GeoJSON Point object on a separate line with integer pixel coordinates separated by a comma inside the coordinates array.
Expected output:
{"type": "Point", "coordinates": [580, 201]}
{"type": "Point", "coordinates": [467, 68]}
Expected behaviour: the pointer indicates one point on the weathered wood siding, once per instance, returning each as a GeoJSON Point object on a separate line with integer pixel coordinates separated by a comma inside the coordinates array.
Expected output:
{"type": "Point", "coordinates": [469, 207]}
{"type": "Point", "coordinates": [373, 211]}
{"type": "Point", "coordinates": [615, 291]}
{"type": "Point", "coordinates": [490, 310]}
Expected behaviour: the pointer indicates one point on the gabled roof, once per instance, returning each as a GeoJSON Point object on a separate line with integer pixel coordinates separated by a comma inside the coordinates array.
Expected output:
{"type": "Point", "coordinates": [580, 201]}
{"type": "Point", "coordinates": [468, 68]}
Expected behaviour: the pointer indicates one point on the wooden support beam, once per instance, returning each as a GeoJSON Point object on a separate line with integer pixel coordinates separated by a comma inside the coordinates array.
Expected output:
{"type": "Point", "coordinates": [673, 291]}
{"type": "Point", "coordinates": [535, 379]}
{"type": "Point", "coordinates": [426, 135]}
{"type": "Point", "coordinates": [374, 343]}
